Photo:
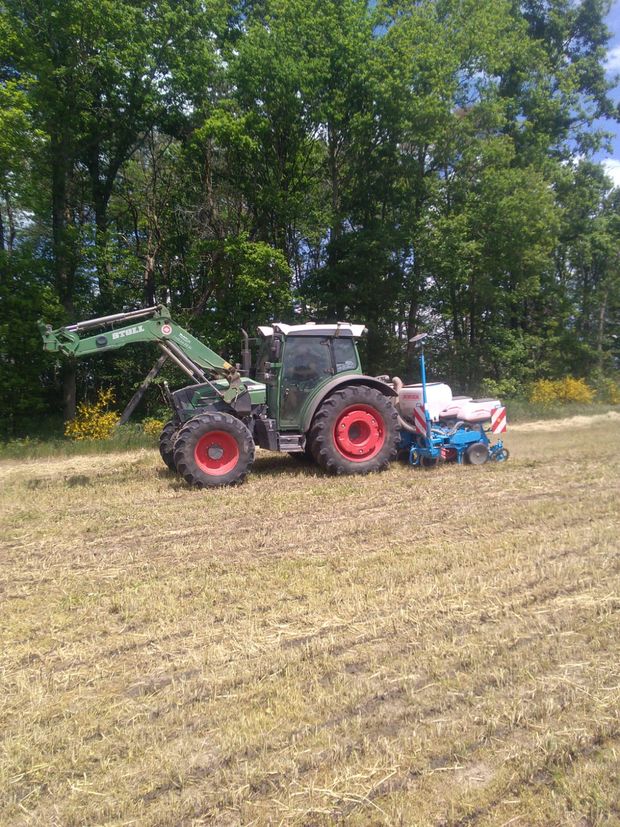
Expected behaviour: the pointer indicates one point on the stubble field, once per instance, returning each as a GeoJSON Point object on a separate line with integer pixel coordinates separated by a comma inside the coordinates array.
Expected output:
{"type": "Point", "coordinates": [409, 648]}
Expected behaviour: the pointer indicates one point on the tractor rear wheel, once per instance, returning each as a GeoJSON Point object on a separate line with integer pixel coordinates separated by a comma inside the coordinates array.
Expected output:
{"type": "Point", "coordinates": [213, 450]}
{"type": "Point", "coordinates": [166, 443]}
{"type": "Point", "coordinates": [355, 431]}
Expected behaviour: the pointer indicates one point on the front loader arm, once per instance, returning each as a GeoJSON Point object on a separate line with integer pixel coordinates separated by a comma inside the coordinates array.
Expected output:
{"type": "Point", "coordinates": [152, 324]}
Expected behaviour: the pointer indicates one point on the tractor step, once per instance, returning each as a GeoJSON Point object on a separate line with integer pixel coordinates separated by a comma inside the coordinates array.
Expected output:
{"type": "Point", "coordinates": [291, 442]}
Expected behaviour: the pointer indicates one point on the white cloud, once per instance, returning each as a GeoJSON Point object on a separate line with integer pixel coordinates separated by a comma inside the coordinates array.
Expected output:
{"type": "Point", "coordinates": [612, 168]}
{"type": "Point", "coordinates": [612, 62]}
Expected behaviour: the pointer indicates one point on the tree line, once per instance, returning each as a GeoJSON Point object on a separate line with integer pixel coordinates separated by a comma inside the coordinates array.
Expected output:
{"type": "Point", "coordinates": [410, 165]}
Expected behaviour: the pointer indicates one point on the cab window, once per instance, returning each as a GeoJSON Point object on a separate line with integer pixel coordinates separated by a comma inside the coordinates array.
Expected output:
{"type": "Point", "coordinates": [307, 360]}
{"type": "Point", "coordinates": [345, 355]}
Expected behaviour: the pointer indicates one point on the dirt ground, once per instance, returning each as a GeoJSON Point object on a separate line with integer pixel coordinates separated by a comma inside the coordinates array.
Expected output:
{"type": "Point", "coordinates": [409, 648]}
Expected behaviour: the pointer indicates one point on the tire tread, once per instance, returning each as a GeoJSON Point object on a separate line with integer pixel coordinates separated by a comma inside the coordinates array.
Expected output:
{"type": "Point", "coordinates": [321, 431]}
{"type": "Point", "coordinates": [166, 443]}
{"type": "Point", "coordinates": [185, 444]}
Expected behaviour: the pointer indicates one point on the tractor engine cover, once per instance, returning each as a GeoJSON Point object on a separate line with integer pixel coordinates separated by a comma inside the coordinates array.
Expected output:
{"type": "Point", "coordinates": [438, 398]}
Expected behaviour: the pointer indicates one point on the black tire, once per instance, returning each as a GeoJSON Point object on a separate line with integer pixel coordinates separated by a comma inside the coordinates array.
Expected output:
{"type": "Point", "coordinates": [166, 443]}
{"type": "Point", "coordinates": [214, 449]}
{"type": "Point", "coordinates": [340, 409]}
{"type": "Point", "coordinates": [477, 453]}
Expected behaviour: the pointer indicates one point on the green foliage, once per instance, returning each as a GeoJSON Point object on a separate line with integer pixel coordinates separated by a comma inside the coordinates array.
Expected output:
{"type": "Point", "coordinates": [501, 388]}
{"type": "Point", "coordinates": [609, 391]}
{"type": "Point", "coordinates": [26, 375]}
{"type": "Point", "coordinates": [411, 166]}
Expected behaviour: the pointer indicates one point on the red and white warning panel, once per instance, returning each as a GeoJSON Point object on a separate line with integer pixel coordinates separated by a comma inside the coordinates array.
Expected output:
{"type": "Point", "coordinates": [498, 420]}
{"type": "Point", "coordinates": [419, 419]}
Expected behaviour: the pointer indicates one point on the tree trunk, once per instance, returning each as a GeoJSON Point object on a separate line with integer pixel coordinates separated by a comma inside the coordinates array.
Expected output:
{"type": "Point", "coordinates": [472, 311]}
{"type": "Point", "coordinates": [101, 187]}
{"type": "Point", "coordinates": [412, 319]}
{"type": "Point", "coordinates": [69, 389]}
{"type": "Point", "coordinates": [64, 255]}
{"type": "Point", "coordinates": [337, 304]}
{"type": "Point", "coordinates": [456, 319]}
{"type": "Point", "coordinates": [11, 220]}
{"type": "Point", "coordinates": [149, 275]}
{"type": "Point", "coordinates": [101, 197]}
{"type": "Point", "coordinates": [416, 286]}
{"type": "Point", "coordinates": [600, 334]}
{"type": "Point", "coordinates": [104, 275]}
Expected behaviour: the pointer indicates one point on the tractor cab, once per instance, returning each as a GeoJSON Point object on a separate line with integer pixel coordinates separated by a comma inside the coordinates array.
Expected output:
{"type": "Point", "coordinates": [297, 362]}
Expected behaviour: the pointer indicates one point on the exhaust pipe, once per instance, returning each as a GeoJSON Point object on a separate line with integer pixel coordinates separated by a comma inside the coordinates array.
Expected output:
{"type": "Point", "coordinates": [398, 384]}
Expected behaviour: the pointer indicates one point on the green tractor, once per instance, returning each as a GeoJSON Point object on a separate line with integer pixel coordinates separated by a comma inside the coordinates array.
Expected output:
{"type": "Point", "coordinates": [305, 394]}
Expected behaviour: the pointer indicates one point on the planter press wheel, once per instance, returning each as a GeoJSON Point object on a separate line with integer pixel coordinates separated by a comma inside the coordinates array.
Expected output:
{"type": "Point", "coordinates": [477, 454]}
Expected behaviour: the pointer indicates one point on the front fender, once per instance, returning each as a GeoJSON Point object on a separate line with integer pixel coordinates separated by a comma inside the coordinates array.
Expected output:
{"type": "Point", "coordinates": [342, 382]}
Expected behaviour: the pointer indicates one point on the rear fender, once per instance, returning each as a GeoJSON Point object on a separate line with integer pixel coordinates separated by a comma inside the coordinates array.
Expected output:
{"type": "Point", "coordinates": [336, 384]}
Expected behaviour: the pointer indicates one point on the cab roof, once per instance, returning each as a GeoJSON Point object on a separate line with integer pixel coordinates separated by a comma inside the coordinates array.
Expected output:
{"type": "Point", "coordinates": [313, 329]}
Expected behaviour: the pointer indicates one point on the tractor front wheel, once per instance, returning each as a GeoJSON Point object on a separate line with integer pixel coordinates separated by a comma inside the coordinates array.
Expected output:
{"type": "Point", "coordinates": [355, 431]}
{"type": "Point", "coordinates": [166, 443]}
{"type": "Point", "coordinates": [213, 450]}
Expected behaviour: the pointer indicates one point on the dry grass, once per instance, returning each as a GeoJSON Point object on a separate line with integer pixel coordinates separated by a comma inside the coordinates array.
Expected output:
{"type": "Point", "coordinates": [408, 648]}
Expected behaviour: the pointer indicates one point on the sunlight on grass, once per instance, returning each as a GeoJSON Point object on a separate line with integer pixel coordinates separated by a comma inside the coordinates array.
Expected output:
{"type": "Point", "coordinates": [405, 648]}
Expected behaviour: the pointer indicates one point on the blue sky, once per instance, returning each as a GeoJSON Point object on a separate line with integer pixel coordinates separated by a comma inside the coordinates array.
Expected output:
{"type": "Point", "coordinates": [612, 163]}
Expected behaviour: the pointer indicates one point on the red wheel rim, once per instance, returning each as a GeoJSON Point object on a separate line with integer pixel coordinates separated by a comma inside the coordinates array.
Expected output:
{"type": "Point", "coordinates": [216, 453]}
{"type": "Point", "coordinates": [359, 433]}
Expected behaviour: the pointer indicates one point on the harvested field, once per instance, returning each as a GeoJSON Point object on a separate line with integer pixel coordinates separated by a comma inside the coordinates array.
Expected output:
{"type": "Point", "coordinates": [410, 648]}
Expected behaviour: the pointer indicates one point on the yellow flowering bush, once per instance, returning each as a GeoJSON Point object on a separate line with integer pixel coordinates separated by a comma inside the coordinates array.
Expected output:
{"type": "Point", "coordinates": [576, 390]}
{"type": "Point", "coordinates": [546, 391]}
{"type": "Point", "coordinates": [152, 426]}
{"type": "Point", "coordinates": [94, 421]}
